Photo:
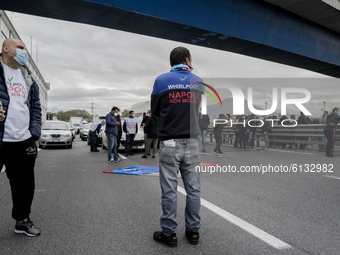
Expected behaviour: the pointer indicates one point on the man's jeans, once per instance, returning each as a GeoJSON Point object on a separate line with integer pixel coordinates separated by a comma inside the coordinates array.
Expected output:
{"type": "Point", "coordinates": [203, 134]}
{"type": "Point", "coordinates": [112, 140]}
{"type": "Point", "coordinates": [251, 139]}
{"type": "Point", "coordinates": [129, 143]}
{"type": "Point", "coordinates": [184, 157]}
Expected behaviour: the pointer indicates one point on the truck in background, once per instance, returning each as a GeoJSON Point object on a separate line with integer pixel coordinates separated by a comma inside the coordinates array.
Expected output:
{"type": "Point", "coordinates": [77, 122]}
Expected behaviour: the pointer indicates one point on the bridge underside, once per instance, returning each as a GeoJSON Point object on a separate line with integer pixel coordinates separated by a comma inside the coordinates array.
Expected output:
{"type": "Point", "coordinates": [246, 27]}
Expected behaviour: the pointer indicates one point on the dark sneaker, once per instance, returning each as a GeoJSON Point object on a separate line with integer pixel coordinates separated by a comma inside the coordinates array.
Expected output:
{"type": "Point", "coordinates": [170, 240]}
{"type": "Point", "coordinates": [153, 156]}
{"type": "Point", "coordinates": [131, 154]}
{"type": "Point", "coordinates": [215, 153]}
{"type": "Point", "coordinates": [144, 156]}
{"type": "Point", "coordinates": [204, 151]}
{"type": "Point", "coordinates": [126, 155]}
{"type": "Point", "coordinates": [27, 227]}
{"type": "Point", "coordinates": [193, 237]}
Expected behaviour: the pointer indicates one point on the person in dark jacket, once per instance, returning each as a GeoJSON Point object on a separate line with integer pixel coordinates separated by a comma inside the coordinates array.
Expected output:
{"type": "Point", "coordinates": [151, 131]}
{"type": "Point", "coordinates": [266, 128]}
{"type": "Point", "coordinates": [302, 120]}
{"type": "Point", "coordinates": [218, 135]}
{"type": "Point", "coordinates": [20, 127]}
{"type": "Point", "coordinates": [204, 122]}
{"type": "Point", "coordinates": [243, 133]}
{"type": "Point", "coordinates": [252, 125]}
{"type": "Point", "coordinates": [175, 100]}
{"type": "Point", "coordinates": [143, 124]}
{"type": "Point", "coordinates": [111, 131]}
{"type": "Point", "coordinates": [329, 130]}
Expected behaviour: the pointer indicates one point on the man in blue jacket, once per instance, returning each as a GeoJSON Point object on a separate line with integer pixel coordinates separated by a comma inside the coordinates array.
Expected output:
{"type": "Point", "coordinates": [175, 100]}
{"type": "Point", "coordinates": [20, 127]}
{"type": "Point", "coordinates": [111, 131]}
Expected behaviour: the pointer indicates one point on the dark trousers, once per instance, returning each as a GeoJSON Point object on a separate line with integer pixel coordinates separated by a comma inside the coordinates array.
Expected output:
{"type": "Point", "coordinates": [19, 160]}
{"type": "Point", "coordinates": [218, 138]}
{"type": "Point", "coordinates": [303, 145]}
{"type": "Point", "coordinates": [129, 143]}
{"type": "Point", "coordinates": [118, 141]}
{"type": "Point", "coordinates": [93, 141]}
{"type": "Point", "coordinates": [330, 135]}
{"type": "Point", "coordinates": [237, 139]}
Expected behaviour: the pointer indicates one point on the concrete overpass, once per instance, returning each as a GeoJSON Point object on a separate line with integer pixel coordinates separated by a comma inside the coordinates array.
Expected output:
{"type": "Point", "coordinates": [300, 33]}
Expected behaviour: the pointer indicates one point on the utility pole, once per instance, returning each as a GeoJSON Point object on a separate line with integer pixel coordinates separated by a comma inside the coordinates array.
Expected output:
{"type": "Point", "coordinates": [92, 107]}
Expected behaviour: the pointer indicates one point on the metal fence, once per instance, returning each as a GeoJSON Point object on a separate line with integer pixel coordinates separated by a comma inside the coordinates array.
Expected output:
{"type": "Point", "coordinates": [285, 135]}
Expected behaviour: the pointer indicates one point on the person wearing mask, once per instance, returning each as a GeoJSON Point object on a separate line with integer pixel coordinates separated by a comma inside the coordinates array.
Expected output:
{"type": "Point", "coordinates": [218, 135]}
{"type": "Point", "coordinates": [329, 130]}
{"type": "Point", "coordinates": [94, 131]}
{"type": "Point", "coordinates": [111, 131]}
{"type": "Point", "coordinates": [204, 122]}
{"type": "Point", "coordinates": [178, 129]}
{"type": "Point", "coordinates": [130, 127]}
{"type": "Point", "coordinates": [20, 128]}
{"type": "Point", "coordinates": [302, 120]}
{"type": "Point", "coordinates": [143, 124]}
{"type": "Point", "coordinates": [151, 131]}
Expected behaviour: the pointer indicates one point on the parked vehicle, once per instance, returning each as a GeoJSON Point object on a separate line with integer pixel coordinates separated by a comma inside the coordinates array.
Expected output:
{"type": "Point", "coordinates": [73, 130]}
{"type": "Point", "coordinates": [55, 133]}
{"type": "Point", "coordinates": [84, 132]}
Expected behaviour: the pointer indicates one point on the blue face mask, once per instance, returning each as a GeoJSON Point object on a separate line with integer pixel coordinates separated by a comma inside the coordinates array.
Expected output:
{"type": "Point", "coordinates": [133, 115]}
{"type": "Point", "coordinates": [21, 57]}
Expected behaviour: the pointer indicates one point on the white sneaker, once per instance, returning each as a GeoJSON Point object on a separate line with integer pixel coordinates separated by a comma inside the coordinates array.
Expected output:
{"type": "Point", "coordinates": [112, 160]}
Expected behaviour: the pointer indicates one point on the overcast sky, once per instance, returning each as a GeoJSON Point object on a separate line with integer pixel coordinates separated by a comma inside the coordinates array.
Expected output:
{"type": "Point", "coordinates": [115, 68]}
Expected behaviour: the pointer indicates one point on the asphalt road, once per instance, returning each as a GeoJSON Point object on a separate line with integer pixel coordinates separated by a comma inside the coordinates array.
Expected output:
{"type": "Point", "coordinates": [81, 210]}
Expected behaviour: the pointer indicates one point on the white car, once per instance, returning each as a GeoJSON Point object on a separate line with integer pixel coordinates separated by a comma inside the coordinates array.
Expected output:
{"type": "Point", "coordinates": [55, 133]}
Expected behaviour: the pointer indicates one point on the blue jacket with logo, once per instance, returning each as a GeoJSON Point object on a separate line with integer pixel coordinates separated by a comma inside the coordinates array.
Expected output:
{"type": "Point", "coordinates": [175, 100]}
{"type": "Point", "coordinates": [111, 125]}
{"type": "Point", "coordinates": [33, 102]}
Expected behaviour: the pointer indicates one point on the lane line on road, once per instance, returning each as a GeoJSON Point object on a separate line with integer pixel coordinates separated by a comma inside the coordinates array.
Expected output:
{"type": "Point", "coordinates": [3, 169]}
{"type": "Point", "coordinates": [334, 177]}
{"type": "Point", "coordinates": [260, 234]}
{"type": "Point", "coordinates": [122, 156]}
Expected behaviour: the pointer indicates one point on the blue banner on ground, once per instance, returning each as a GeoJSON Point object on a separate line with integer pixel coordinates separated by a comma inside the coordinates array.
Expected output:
{"type": "Point", "coordinates": [134, 170]}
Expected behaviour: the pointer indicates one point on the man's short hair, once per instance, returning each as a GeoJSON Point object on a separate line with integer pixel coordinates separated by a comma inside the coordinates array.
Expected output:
{"type": "Point", "coordinates": [114, 108]}
{"type": "Point", "coordinates": [178, 55]}
{"type": "Point", "coordinates": [326, 112]}
{"type": "Point", "coordinates": [335, 109]}
{"type": "Point", "coordinates": [131, 112]}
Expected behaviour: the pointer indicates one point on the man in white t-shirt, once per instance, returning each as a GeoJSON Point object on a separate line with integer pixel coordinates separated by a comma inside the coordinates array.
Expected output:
{"type": "Point", "coordinates": [20, 127]}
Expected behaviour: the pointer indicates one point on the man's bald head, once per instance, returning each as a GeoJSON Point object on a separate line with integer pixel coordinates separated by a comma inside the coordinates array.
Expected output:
{"type": "Point", "coordinates": [13, 43]}
{"type": "Point", "coordinates": [9, 52]}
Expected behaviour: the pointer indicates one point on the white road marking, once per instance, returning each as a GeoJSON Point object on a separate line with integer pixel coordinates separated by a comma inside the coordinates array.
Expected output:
{"type": "Point", "coordinates": [260, 234]}
{"type": "Point", "coordinates": [122, 156]}
{"type": "Point", "coordinates": [3, 169]}
{"type": "Point", "coordinates": [334, 177]}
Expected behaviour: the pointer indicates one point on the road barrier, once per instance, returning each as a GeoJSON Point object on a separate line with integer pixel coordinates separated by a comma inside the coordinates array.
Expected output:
{"type": "Point", "coordinates": [284, 135]}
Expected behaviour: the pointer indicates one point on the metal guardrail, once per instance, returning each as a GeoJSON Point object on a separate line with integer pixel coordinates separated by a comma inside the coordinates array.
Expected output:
{"type": "Point", "coordinates": [284, 135]}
